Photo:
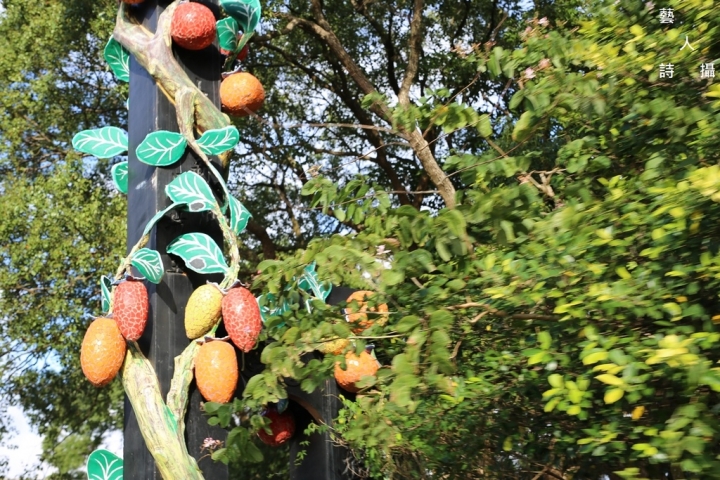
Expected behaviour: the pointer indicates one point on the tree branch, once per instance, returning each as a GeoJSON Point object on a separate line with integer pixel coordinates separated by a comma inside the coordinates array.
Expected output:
{"type": "Point", "coordinates": [387, 41]}
{"type": "Point", "coordinates": [261, 234]}
{"type": "Point", "coordinates": [322, 29]}
{"type": "Point", "coordinates": [414, 48]}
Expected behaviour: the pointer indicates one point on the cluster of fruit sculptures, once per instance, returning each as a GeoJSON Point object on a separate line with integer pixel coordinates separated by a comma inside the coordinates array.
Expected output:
{"type": "Point", "coordinates": [194, 27]}
{"type": "Point", "coordinates": [216, 364]}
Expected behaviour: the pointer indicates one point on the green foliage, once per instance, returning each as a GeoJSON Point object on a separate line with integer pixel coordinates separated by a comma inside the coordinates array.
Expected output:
{"type": "Point", "coordinates": [63, 226]}
{"type": "Point", "coordinates": [562, 317]}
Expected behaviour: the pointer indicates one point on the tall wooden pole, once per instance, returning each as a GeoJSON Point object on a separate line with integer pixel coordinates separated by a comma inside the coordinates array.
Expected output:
{"type": "Point", "coordinates": [164, 337]}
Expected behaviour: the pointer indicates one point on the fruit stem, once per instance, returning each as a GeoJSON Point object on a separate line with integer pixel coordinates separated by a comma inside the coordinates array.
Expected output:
{"type": "Point", "coordinates": [231, 239]}
{"type": "Point", "coordinates": [127, 261]}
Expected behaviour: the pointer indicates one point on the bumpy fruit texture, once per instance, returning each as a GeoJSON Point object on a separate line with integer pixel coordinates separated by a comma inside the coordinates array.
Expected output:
{"type": "Point", "coordinates": [216, 371]}
{"type": "Point", "coordinates": [359, 317]}
{"type": "Point", "coordinates": [282, 426]}
{"type": "Point", "coordinates": [102, 352]}
{"type": "Point", "coordinates": [334, 347]}
{"type": "Point", "coordinates": [202, 310]}
{"type": "Point", "coordinates": [241, 92]}
{"type": "Point", "coordinates": [357, 367]}
{"type": "Point", "coordinates": [193, 26]}
{"type": "Point", "coordinates": [130, 308]}
{"type": "Point", "coordinates": [241, 315]}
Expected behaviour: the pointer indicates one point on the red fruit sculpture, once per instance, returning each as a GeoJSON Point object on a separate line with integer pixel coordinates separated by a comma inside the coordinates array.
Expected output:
{"type": "Point", "coordinates": [241, 315]}
{"type": "Point", "coordinates": [193, 26]}
{"type": "Point", "coordinates": [282, 426]}
{"type": "Point", "coordinates": [130, 308]}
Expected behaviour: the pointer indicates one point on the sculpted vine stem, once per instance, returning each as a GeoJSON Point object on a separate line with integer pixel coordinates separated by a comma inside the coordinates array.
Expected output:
{"type": "Point", "coordinates": [162, 424]}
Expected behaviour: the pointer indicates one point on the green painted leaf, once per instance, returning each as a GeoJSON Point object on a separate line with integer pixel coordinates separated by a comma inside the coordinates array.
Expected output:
{"type": "Point", "coordinates": [104, 465]}
{"type": "Point", "coordinates": [246, 12]}
{"type": "Point", "coordinates": [310, 281]}
{"type": "Point", "coordinates": [161, 148]}
{"type": "Point", "coordinates": [239, 215]}
{"type": "Point", "coordinates": [156, 218]}
{"type": "Point", "coordinates": [105, 142]}
{"type": "Point", "coordinates": [215, 142]}
{"type": "Point", "coordinates": [199, 252]}
{"type": "Point", "coordinates": [149, 264]}
{"type": "Point", "coordinates": [190, 188]}
{"type": "Point", "coordinates": [119, 173]}
{"type": "Point", "coordinates": [227, 31]}
{"type": "Point", "coordinates": [106, 288]}
{"type": "Point", "coordinates": [118, 58]}
{"type": "Point", "coordinates": [272, 308]}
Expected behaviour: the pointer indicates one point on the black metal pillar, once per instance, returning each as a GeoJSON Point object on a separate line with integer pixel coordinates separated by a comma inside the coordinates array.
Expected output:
{"type": "Point", "coordinates": [164, 337]}
{"type": "Point", "coordinates": [323, 459]}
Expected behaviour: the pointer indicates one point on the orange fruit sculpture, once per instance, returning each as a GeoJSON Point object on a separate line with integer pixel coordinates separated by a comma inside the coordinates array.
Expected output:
{"type": "Point", "coordinates": [358, 366]}
{"type": "Point", "coordinates": [216, 371]}
{"type": "Point", "coordinates": [359, 315]}
{"type": "Point", "coordinates": [102, 352]}
{"type": "Point", "coordinates": [282, 426]}
{"type": "Point", "coordinates": [193, 26]}
{"type": "Point", "coordinates": [241, 93]}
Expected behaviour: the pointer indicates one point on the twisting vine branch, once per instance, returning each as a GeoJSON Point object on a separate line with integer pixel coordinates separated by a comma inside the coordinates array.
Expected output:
{"type": "Point", "coordinates": [162, 422]}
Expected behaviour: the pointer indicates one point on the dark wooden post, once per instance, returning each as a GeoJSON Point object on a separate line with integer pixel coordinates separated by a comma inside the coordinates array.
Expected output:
{"type": "Point", "coordinates": [164, 337]}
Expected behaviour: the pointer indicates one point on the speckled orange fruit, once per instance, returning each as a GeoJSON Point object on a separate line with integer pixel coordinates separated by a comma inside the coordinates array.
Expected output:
{"type": "Point", "coordinates": [216, 371]}
{"type": "Point", "coordinates": [102, 352]}
{"type": "Point", "coordinates": [334, 347]}
{"type": "Point", "coordinates": [241, 92]}
{"type": "Point", "coordinates": [359, 315]}
{"type": "Point", "coordinates": [357, 367]}
{"type": "Point", "coordinates": [202, 310]}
